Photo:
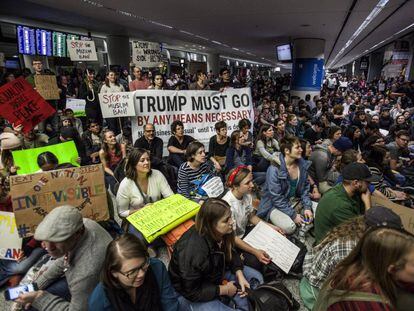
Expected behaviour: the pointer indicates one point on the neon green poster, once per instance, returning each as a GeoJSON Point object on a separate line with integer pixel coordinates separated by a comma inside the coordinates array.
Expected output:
{"type": "Point", "coordinates": [26, 160]}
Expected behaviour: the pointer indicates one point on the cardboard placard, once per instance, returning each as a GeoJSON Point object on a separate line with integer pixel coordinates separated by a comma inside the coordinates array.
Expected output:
{"type": "Point", "coordinates": [35, 195]}
{"type": "Point", "coordinates": [26, 160]}
{"type": "Point", "coordinates": [80, 50]}
{"type": "Point", "coordinates": [162, 216]}
{"type": "Point", "coordinates": [46, 86]}
{"type": "Point", "coordinates": [77, 105]}
{"type": "Point", "coordinates": [21, 104]}
{"type": "Point", "coordinates": [119, 104]}
{"type": "Point", "coordinates": [406, 214]}
{"type": "Point", "coordinates": [146, 54]}
{"type": "Point", "coordinates": [10, 242]}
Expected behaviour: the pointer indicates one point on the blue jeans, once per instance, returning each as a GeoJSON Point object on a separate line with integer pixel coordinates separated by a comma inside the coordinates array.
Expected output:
{"type": "Point", "coordinates": [9, 268]}
{"type": "Point", "coordinates": [252, 276]}
{"type": "Point", "coordinates": [59, 288]}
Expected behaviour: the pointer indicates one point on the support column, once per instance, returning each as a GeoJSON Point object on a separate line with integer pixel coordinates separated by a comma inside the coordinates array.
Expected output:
{"type": "Point", "coordinates": [213, 63]}
{"type": "Point", "coordinates": [118, 51]}
{"type": "Point", "coordinates": [307, 69]}
{"type": "Point", "coordinates": [375, 65]}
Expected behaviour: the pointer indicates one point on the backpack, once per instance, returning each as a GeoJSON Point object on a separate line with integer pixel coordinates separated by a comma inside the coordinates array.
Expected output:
{"type": "Point", "coordinates": [272, 296]}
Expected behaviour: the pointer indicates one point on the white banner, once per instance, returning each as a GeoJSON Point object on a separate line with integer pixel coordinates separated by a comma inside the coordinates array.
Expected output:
{"type": "Point", "coordinates": [10, 242]}
{"type": "Point", "coordinates": [80, 50]}
{"type": "Point", "coordinates": [146, 54]}
{"type": "Point", "coordinates": [198, 110]}
{"type": "Point", "coordinates": [119, 104]}
{"type": "Point", "coordinates": [77, 105]}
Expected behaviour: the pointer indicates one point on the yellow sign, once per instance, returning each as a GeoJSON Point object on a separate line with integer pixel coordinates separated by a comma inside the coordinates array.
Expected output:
{"type": "Point", "coordinates": [162, 216]}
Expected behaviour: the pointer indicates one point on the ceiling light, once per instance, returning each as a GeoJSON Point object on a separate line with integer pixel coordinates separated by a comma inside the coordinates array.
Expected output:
{"type": "Point", "coordinates": [161, 25]}
{"type": "Point", "coordinates": [402, 30]}
{"type": "Point", "coordinates": [93, 3]}
{"type": "Point", "coordinates": [216, 42]}
{"type": "Point", "coordinates": [200, 37]}
{"type": "Point", "coordinates": [187, 33]}
{"type": "Point", "coordinates": [236, 49]}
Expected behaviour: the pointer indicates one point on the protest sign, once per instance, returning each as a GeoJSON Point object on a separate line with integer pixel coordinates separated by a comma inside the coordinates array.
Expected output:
{"type": "Point", "coordinates": [282, 251]}
{"type": "Point", "coordinates": [26, 160]}
{"type": "Point", "coordinates": [46, 86]}
{"type": "Point", "coordinates": [406, 214]}
{"type": "Point", "coordinates": [10, 242]}
{"type": "Point", "coordinates": [35, 195]}
{"type": "Point", "coordinates": [162, 216]}
{"type": "Point", "coordinates": [198, 110]}
{"type": "Point", "coordinates": [214, 187]}
{"type": "Point", "coordinates": [146, 54]}
{"type": "Point", "coordinates": [83, 51]}
{"type": "Point", "coordinates": [115, 105]}
{"type": "Point", "coordinates": [20, 104]}
{"type": "Point", "coordinates": [77, 105]}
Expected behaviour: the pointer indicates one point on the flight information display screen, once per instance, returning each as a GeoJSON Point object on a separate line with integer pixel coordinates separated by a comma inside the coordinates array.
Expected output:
{"type": "Point", "coordinates": [26, 40]}
{"type": "Point", "coordinates": [43, 42]}
{"type": "Point", "coordinates": [59, 44]}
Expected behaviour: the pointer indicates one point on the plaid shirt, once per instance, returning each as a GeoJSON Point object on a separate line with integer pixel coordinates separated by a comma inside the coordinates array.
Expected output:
{"type": "Point", "coordinates": [319, 263]}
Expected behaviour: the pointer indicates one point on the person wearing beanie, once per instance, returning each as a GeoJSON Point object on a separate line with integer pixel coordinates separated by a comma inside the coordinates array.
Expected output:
{"type": "Point", "coordinates": [78, 246]}
{"type": "Point", "coordinates": [322, 259]}
{"type": "Point", "coordinates": [344, 201]}
{"type": "Point", "coordinates": [8, 143]}
{"type": "Point", "coordinates": [323, 157]}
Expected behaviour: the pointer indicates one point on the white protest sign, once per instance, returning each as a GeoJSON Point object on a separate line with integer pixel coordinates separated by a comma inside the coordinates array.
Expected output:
{"type": "Point", "coordinates": [214, 187]}
{"type": "Point", "coordinates": [280, 249]}
{"type": "Point", "coordinates": [10, 242]}
{"type": "Point", "coordinates": [146, 54]}
{"type": "Point", "coordinates": [77, 105]}
{"type": "Point", "coordinates": [198, 110]}
{"type": "Point", "coordinates": [80, 50]}
{"type": "Point", "coordinates": [119, 104]}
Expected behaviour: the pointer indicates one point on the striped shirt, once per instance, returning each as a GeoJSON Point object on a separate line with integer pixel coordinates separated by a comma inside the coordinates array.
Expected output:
{"type": "Point", "coordinates": [186, 175]}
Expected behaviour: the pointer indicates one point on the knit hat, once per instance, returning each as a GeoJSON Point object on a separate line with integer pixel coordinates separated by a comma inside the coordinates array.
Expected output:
{"type": "Point", "coordinates": [343, 144]}
{"type": "Point", "coordinates": [9, 141]}
{"type": "Point", "coordinates": [59, 225]}
{"type": "Point", "coordinates": [379, 216]}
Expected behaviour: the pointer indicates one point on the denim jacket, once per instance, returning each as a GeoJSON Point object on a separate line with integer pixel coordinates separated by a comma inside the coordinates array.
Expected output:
{"type": "Point", "coordinates": [277, 187]}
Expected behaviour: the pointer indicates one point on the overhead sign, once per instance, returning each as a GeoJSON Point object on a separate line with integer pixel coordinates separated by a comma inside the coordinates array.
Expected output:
{"type": "Point", "coordinates": [21, 104]}
{"type": "Point", "coordinates": [146, 54]}
{"type": "Point", "coordinates": [80, 50]}
{"type": "Point", "coordinates": [117, 104]}
{"type": "Point", "coordinates": [46, 86]}
{"type": "Point", "coordinates": [10, 242]}
{"type": "Point", "coordinates": [35, 195]}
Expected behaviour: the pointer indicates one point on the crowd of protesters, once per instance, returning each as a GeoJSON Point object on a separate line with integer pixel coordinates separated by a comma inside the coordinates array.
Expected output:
{"type": "Point", "coordinates": [303, 166]}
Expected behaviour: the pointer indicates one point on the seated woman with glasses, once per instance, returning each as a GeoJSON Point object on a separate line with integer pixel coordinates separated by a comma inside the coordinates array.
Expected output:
{"type": "Point", "coordinates": [130, 280]}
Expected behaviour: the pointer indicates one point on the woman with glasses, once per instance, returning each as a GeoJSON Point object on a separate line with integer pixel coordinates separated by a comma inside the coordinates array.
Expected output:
{"type": "Point", "coordinates": [130, 280]}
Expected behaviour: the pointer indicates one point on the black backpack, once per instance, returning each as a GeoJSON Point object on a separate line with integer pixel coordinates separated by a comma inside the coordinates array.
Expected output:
{"type": "Point", "coordinates": [272, 296]}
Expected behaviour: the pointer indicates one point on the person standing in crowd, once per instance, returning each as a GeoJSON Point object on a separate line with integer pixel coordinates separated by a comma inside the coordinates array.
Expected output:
{"type": "Point", "coordinates": [201, 256]}
{"type": "Point", "coordinates": [140, 82]}
{"type": "Point", "coordinates": [286, 202]}
{"type": "Point", "coordinates": [78, 246]}
{"type": "Point", "coordinates": [92, 140]}
{"type": "Point", "coordinates": [177, 144]}
{"type": "Point", "coordinates": [158, 82]}
{"type": "Point", "coordinates": [345, 200]}
{"type": "Point", "coordinates": [88, 91]}
{"type": "Point", "coordinates": [218, 145]}
{"type": "Point", "coordinates": [201, 82]}
{"type": "Point", "coordinates": [225, 81]}
{"type": "Point", "coordinates": [131, 280]}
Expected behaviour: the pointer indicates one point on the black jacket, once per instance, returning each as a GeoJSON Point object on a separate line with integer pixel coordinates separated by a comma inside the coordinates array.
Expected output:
{"type": "Point", "coordinates": [197, 267]}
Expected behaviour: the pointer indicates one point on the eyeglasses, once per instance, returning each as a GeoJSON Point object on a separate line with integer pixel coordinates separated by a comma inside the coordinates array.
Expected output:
{"type": "Point", "coordinates": [132, 274]}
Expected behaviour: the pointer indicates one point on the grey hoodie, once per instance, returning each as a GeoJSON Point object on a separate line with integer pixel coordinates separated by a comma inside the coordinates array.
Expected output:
{"type": "Point", "coordinates": [322, 161]}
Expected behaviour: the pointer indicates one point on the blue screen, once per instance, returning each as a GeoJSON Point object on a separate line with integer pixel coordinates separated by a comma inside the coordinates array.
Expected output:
{"type": "Point", "coordinates": [26, 40]}
{"type": "Point", "coordinates": [43, 42]}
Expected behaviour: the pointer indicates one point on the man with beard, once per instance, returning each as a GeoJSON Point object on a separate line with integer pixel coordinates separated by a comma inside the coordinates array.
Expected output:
{"type": "Point", "coordinates": [346, 200]}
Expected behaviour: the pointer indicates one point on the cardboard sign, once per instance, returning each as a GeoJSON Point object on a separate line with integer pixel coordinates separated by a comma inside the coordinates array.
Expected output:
{"type": "Point", "coordinates": [162, 216]}
{"type": "Point", "coordinates": [406, 214]}
{"type": "Point", "coordinates": [10, 242]}
{"type": "Point", "coordinates": [26, 160]}
{"type": "Point", "coordinates": [146, 54]}
{"type": "Point", "coordinates": [46, 86]}
{"type": "Point", "coordinates": [77, 105]}
{"type": "Point", "coordinates": [198, 110]}
{"type": "Point", "coordinates": [21, 104]}
{"type": "Point", "coordinates": [35, 195]}
{"type": "Point", "coordinates": [83, 51]}
{"type": "Point", "coordinates": [115, 105]}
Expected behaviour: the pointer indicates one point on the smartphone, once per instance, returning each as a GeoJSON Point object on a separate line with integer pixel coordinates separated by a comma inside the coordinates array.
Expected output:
{"type": "Point", "coordinates": [14, 292]}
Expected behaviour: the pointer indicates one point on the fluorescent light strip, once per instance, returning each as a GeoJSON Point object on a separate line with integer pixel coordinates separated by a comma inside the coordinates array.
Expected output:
{"type": "Point", "coordinates": [216, 42]}
{"type": "Point", "coordinates": [402, 30]}
{"type": "Point", "coordinates": [187, 33]}
{"type": "Point", "coordinates": [161, 25]}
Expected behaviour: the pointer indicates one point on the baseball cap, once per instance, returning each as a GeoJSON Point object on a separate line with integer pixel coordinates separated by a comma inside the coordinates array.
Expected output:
{"type": "Point", "coordinates": [358, 171]}
{"type": "Point", "coordinates": [59, 225]}
{"type": "Point", "coordinates": [380, 216]}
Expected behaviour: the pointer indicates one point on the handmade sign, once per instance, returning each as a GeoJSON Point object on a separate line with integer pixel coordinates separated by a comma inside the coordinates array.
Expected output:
{"type": "Point", "coordinates": [10, 242]}
{"type": "Point", "coordinates": [406, 214]}
{"type": "Point", "coordinates": [77, 105]}
{"type": "Point", "coordinates": [146, 54]}
{"type": "Point", "coordinates": [46, 86]}
{"type": "Point", "coordinates": [35, 195]}
{"type": "Point", "coordinates": [162, 216]}
{"type": "Point", "coordinates": [26, 160]}
{"type": "Point", "coordinates": [80, 50]}
{"type": "Point", "coordinates": [20, 104]}
{"type": "Point", "coordinates": [117, 104]}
